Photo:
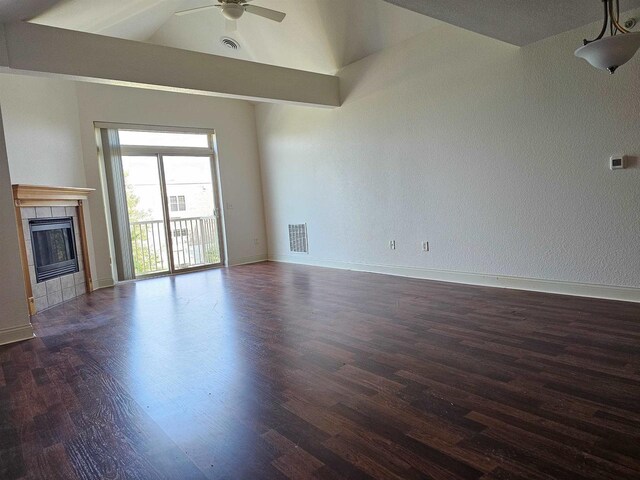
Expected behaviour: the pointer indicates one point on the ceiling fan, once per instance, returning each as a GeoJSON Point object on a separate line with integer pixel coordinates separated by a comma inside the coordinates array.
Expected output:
{"type": "Point", "coordinates": [234, 9]}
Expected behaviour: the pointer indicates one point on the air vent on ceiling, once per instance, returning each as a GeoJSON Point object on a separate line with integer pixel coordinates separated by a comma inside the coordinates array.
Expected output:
{"type": "Point", "coordinates": [230, 43]}
{"type": "Point", "coordinates": [298, 241]}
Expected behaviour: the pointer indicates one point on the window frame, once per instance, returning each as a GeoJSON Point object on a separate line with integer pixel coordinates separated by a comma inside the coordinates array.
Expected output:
{"type": "Point", "coordinates": [173, 203]}
{"type": "Point", "coordinates": [206, 136]}
{"type": "Point", "coordinates": [162, 151]}
{"type": "Point", "coordinates": [153, 150]}
{"type": "Point", "coordinates": [180, 206]}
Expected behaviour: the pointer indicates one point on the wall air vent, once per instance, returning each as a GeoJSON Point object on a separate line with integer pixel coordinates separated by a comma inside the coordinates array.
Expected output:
{"type": "Point", "coordinates": [298, 241]}
{"type": "Point", "coordinates": [230, 43]}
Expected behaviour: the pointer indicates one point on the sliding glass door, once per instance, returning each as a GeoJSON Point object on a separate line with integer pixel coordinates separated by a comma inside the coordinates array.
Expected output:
{"type": "Point", "coordinates": [193, 215]}
{"type": "Point", "coordinates": [172, 201]}
{"type": "Point", "coordinates": [145, 210]}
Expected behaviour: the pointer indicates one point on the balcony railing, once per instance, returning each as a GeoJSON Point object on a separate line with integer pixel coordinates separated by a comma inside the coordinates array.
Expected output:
{"type": "Point", "coordinates": [194, 242]}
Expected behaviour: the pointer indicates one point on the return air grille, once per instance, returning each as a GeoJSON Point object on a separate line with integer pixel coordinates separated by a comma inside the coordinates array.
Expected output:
{"type": "Point", "coordinates": [298, 242]}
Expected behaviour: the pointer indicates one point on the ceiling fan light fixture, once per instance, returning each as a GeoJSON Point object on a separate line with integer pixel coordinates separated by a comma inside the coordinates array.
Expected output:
{"type": "Point", "coordinates": [609, 53]}
{"type": "Point", "coordinates": [232, 11]}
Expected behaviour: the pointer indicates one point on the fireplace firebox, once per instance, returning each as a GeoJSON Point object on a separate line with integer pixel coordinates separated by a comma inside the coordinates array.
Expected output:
{"type": "Point", "coordinates": [54, 247]}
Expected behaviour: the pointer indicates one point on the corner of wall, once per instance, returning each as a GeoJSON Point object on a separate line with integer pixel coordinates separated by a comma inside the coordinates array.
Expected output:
{"type": "Point", "coordinates": [14, 323]}
{"type": "Point", "coordinates": [259, 164]}
{"type": "Point", "coordinates": [16, 334]}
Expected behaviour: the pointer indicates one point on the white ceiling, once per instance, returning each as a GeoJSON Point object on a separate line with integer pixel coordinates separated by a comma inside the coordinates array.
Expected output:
{"type": "Point", "coordinates": [131, 19]}
{"type": "Point", "coordinates": [517, 22]}
{"type": "Point", "coordinates": [316, 35]}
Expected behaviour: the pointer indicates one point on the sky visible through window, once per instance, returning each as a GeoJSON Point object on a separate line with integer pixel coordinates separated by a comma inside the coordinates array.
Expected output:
{"type": "Point", "coordinates": [163, 139]}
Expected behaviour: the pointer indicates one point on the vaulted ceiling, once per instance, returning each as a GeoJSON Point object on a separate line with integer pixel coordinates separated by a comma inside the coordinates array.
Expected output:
{"type": "Point", "coordinates": [316, 35]}
{"type": "Point", "coordinates": [517, 22]}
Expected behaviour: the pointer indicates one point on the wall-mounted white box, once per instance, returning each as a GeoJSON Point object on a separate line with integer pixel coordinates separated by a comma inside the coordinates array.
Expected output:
{"type": "Point", "coordinates": [617, 162]}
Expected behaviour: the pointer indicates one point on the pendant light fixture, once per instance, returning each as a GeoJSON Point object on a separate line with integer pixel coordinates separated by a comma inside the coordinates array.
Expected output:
{"type": "Point", "coordinates": [608, 53]}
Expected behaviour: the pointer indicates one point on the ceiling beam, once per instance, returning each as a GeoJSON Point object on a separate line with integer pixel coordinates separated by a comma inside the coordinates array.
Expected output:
{"type": "Point", "coordinates": [15, 10]}
{"type": "Point", "coordinates": [39, 49]}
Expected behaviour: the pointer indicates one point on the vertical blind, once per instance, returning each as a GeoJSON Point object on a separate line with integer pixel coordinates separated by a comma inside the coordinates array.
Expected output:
{"type": "Point", "coordinates": [117, 203]}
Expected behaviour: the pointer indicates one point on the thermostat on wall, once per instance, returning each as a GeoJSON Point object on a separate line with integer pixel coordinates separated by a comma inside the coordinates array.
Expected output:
{"type": "Point", "coordinates": [616, 162]}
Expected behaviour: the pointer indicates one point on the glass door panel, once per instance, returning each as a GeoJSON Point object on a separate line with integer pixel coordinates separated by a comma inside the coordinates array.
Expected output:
{"type": "Point", "coordinates": [146, 214]}
{"type": "Point", "coordinates": [192, 208]}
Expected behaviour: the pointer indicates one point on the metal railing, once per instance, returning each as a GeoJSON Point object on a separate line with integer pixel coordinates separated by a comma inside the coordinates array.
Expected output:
{"type": "Point", "coordinates": [194, 241]}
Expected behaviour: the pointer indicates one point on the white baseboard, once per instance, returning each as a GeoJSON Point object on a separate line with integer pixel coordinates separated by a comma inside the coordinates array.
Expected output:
{"type": "Point", "coordinates": [103, 283]}
{"type": "Point", "coordinates": [248, 260]}
{"type": "Point", "coordinates": [627, 294]}
{"type": "Point", "coordinates": [16, 334]}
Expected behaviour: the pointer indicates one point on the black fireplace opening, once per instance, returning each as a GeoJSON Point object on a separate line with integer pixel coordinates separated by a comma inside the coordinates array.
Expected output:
{"type": "Point", "coordinates": [54, 247]}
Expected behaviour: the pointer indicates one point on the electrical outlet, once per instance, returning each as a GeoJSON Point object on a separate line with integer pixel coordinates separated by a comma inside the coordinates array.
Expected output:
{"type": "Point", "coordinates": [425, 246]}
{"type": "Point", "coordinates": [392, 244]}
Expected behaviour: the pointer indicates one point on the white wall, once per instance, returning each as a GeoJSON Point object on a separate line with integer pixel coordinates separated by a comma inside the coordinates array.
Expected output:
{"type": "Point", "coordinates": [495, 155]}
{"type": "Point", "coordinates": [14, 317]}
{"type": "Point", "coordinates": [234, 122]}
{"type": "Point", "coordinates": [42, 131]}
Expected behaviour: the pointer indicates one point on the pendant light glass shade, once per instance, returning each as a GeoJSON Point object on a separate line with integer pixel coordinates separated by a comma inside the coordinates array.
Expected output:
{"type": "Point", "coordinates": [610, 52]}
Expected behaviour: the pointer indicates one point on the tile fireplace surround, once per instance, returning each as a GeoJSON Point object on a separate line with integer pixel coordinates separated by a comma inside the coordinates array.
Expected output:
{"type": "Point", "coordinates": [40, 202]}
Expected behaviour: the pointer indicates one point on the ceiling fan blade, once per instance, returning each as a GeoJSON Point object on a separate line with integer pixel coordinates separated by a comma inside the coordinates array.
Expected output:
{"type": "Point", "coordinates": [194, 10]}
{"type": "Point", "coordinates": [230, 26]}
{"type": "Point", "coordinates": [265, 12]}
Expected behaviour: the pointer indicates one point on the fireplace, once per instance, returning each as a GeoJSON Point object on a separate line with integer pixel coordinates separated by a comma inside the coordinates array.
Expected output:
{"type": "Point", "coordinates": [54, 247]}
{"type": "Point", "coordinates": [53, 244]}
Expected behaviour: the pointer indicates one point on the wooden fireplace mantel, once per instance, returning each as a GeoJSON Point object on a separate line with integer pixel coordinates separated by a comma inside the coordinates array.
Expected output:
{"type": "Point", "coordinates": [46, 196]}
{"type": "Point", "coordinates": [40, 195]}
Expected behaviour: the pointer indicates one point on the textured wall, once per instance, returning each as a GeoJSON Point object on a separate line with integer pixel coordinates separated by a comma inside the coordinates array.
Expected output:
{"type": "Point", "coordinates": [497, 156]}
{"type": "Point", "coordinates": [42, 131]}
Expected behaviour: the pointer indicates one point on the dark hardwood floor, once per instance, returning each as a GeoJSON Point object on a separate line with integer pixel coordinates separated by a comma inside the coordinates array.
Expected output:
{"type": "Point", "coordinates": [276, 371]}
